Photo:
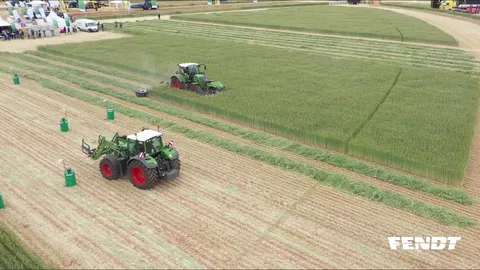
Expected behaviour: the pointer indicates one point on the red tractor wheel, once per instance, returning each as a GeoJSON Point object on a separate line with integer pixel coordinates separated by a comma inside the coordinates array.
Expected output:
{"type": "Point", "coordinates": [175, 83]}
{"type": "Point", "coordinates": [141, 176]}
{"type": "Point", "coordinates": [110, 168]}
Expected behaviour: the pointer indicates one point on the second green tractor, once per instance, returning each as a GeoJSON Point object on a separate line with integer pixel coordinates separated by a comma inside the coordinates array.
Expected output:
{"type": "Point", "coordinates": [191, 76]}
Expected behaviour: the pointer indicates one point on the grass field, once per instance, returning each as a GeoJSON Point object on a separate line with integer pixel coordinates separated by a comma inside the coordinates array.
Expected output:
{"type": "Point", "coordinates": [335, 20]}
{"type": "Point", "coordinates": [334, 110]}
{"type": "Point", "coordinates": [14, 256]}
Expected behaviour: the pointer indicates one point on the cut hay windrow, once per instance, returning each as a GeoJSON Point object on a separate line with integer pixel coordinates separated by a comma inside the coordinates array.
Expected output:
{"type": "Point", "coordinates": [421, 56]}
{"type": "Point", "coordinates": [337, 181]}
{"type": "Point", "coordinates": [365, 22]}
{"type": "Point", "coordinates": [327, 41]}
{"type": "Point", "coordinates": [339, 160]}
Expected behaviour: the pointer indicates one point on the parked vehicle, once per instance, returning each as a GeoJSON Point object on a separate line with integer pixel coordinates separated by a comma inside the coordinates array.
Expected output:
{"type": "Point", "coordinates": [86, 25]}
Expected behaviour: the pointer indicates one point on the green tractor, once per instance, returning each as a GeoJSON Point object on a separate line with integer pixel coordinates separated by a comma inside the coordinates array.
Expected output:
{"type": "Point", "coordinates": [142, 156]}
{"type": "Point", "coordinates": [189, 76]}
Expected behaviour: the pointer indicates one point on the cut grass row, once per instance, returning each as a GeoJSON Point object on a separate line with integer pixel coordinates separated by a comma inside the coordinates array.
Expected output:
{"type": "Point", "coordinates": [327, 41]}
{"type": "Point", "coordinates": [14, 256]}
{"type": "Point", "coordinates": [313, 153]}
{"type": "Point", "coordinates": [421, 57]}
{"type": "Point", "coordinates": [351, 21]}
{"type": "Point", "coordinates": [337, 181]}
{"type": "Point", "coordinates": [303, 42]}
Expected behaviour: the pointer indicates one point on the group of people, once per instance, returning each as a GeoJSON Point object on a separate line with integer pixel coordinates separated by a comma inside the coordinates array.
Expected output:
{"type": "Point", "coordinates": [9, 35]}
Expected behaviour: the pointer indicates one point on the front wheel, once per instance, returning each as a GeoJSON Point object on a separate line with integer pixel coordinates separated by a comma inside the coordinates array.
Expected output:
{"type": "Point", "coordinates": [141, 176]}
{"type": "Point", "coordinates": [110, 168]}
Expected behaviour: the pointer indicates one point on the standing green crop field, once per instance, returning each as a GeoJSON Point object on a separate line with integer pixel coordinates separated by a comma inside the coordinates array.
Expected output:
{"type": "Point", "coordinates": [14, 256]}
{"type": "Point", "coordinates": [313, 97]}
{"type": "Point", "coordinates": [352, 21]}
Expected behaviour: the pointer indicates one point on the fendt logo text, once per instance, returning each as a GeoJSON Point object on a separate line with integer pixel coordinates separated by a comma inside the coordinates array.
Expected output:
{"type": "Point", "coordinates": [429, 243]}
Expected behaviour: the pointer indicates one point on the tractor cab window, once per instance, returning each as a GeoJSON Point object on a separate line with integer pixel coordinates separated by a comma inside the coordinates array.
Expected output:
{"type": "Point", "coordinates": [154, 145]}
{"type": "Point", "coordinates": [193, 70]}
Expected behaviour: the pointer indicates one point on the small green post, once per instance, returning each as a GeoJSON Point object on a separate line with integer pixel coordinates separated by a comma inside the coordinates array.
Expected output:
{"type": "Point", "coordinates": [110, 114]}
{"type": "Point", "coordinates": [2, 204]}
{"type": "Point", "coordinates": [64, 125]}
{"type": "Point", "coordinates": [70, 177]}
{"type": "Point", "coordinates": [16, 79]}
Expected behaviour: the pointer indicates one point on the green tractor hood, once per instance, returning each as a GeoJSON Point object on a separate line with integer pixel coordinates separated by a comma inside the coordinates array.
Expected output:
{"type": "Point", "coordinates": [169, 153]}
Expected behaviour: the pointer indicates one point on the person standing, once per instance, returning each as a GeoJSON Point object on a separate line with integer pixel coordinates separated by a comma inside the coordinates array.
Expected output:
{"type": "Point", "coordinates": [103, 28]}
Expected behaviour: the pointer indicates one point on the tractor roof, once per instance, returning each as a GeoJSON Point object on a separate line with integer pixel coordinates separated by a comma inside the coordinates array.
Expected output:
{"type": "Point", "coordinates": [145, 135]}
{"type": "Point", "coordinates": [187, 64]}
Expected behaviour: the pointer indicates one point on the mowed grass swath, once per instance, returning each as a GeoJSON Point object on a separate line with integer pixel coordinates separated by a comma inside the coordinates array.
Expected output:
{"type": "Point", "coordinates": [14, 256]}
{"type": "Point", "coordinates": [350, 21]}
{"type": "Point", "coordinates": [425, 125]}
{"type": "Point", "coordinates": [317, 99]}
{"type": "Point", "coordinates": [346, 48]}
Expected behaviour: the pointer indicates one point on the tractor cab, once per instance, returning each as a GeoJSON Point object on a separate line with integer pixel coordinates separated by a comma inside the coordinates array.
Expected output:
{"type": "Point", "coordinates": [147, 141]}
{"type": "Point", "coordinates": [192, 69]}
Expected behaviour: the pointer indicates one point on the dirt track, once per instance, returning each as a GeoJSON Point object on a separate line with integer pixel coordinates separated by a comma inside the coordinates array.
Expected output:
{"type": "Point", "coordinates": [221, 213]}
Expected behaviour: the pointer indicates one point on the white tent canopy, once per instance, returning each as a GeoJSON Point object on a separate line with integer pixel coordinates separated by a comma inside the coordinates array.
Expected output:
{"type": "Point", "coordinates": [3, 23]}
{"type": "Point", "coordinates": [53, 16]}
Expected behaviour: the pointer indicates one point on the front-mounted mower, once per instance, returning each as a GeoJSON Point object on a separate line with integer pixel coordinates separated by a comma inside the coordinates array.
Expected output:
{"type": "Point", "coordinates": [190, 76]}
{"type": "Point", "coordinates": [142, 156]}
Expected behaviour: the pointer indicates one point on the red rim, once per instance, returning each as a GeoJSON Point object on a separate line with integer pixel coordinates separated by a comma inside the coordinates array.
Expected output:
{"type": "Point", "coordinates": [138, 175]}
{"type": "Point", "coordinates": [106, 169]}
{"type": "Point", "coordinates": [175, 84]}
{"type": "Point", "coordinates": [194, 89]}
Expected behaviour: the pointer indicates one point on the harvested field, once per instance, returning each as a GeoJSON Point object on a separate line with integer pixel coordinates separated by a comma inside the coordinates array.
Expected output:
{"type": "Point", "coordinates": [195, 219]}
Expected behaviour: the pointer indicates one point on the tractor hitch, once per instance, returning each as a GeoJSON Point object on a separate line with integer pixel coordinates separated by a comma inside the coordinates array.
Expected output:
{"type": "Point", "coordinates": [86, 148]}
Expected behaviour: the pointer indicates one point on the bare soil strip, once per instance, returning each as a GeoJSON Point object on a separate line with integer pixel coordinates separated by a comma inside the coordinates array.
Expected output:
{"type": "Point", "coordinates": [222, 212]}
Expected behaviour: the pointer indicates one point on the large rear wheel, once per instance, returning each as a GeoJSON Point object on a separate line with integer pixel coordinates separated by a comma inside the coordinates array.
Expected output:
{"type": "Point", "coordinates": [110, 168]}
{"type": "Point", "coordinates": [176, 83]}
{"type": "Point", "coordinates": [141, 176]}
